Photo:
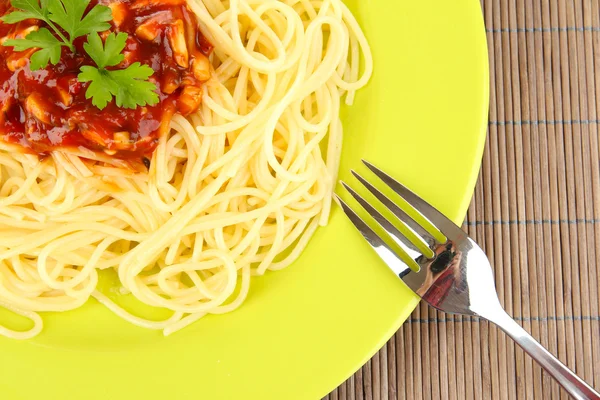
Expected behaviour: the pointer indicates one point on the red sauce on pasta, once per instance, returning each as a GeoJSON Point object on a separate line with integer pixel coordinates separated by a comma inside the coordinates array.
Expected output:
{"type": "Point", "coordinates": [47, 109]}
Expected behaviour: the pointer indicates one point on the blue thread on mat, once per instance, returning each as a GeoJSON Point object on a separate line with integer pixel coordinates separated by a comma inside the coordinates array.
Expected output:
{"type": "Point", "coordinates": [533, 222]}
{"type": "Point", "coordinates": [546, 122]}
{"type": "Point", "coordinates": [543, 30]}
{"type": "Point", "coordinates": [521, 319]}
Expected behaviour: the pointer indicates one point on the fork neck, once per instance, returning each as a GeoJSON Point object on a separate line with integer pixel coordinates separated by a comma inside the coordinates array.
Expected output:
{"type": "Point", "coordinates": [574, 385]}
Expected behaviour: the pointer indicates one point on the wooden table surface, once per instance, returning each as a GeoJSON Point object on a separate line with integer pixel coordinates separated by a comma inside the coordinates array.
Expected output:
{"type": "Point", "coordinates": [536, 212]}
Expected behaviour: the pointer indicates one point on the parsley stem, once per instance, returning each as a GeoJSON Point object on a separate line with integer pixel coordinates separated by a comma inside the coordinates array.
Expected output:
{"type": "Point", "coordinates": [61, 36]}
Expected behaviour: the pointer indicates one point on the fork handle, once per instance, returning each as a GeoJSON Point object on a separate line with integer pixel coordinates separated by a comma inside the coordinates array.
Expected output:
{"type": "Point", "coordinates": [574, 385]}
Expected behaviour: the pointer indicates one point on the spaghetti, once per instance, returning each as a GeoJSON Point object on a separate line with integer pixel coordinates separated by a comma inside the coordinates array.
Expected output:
{"type": "Point", "coordinates": [234, 190]}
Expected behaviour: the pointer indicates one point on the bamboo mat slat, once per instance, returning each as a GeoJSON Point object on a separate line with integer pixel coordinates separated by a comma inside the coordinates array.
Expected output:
{"type": "Point", "coordinates": [535, 211]}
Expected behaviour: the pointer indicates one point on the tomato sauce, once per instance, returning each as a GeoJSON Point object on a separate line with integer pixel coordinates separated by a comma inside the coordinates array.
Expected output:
{"type": "Point", "coordinates": [47, 109]}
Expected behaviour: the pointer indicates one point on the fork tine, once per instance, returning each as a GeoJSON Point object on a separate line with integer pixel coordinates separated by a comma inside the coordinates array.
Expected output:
{"type": "Point", "coordinates": [390, 229]}
{"type": "Point", "coordinates": [380, 247]}
{"type": "Point", "coordinates": [413, 225]}
{"type": "Point", "coordinates": [433, 216]}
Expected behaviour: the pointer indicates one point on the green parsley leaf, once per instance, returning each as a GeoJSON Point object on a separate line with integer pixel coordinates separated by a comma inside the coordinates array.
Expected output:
{"type": "Point", "coordinates": [68, 14]}
{"type": "Point", "coordinates": [134, 89]}
{"type": "Point", "coordinates": [101, 88]}
{"type": "Point", "coordinates": [49, 45]}
{"type": "Point", "coordinates": [109, 54]}
{"type": "Point", "coordinates": [129, 86]}
{"type": "Point", "coordinates": [29, 9]}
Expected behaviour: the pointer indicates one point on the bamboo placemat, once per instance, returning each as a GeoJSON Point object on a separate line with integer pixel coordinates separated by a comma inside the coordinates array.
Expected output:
{"type": "Point", "coordinates": [536, 212]}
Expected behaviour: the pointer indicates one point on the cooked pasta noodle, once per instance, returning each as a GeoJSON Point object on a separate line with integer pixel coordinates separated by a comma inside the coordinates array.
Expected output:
{"type": "Point", "coordinates": [234, 190]}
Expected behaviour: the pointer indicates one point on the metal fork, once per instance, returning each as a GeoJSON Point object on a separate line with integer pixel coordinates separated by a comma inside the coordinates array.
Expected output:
{"type": "Point", "coordinates": [454, 276]}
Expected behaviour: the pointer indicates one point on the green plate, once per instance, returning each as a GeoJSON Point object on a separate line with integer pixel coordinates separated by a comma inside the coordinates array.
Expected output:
{"type": "Point", "coordinates": [303, 330]}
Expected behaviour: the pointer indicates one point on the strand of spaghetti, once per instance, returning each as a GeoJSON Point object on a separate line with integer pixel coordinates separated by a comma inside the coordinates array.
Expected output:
{"type": "Point", "coordinates": [36, 239]}
{"type": "Point", "coordinates": [330, 61]}
{"type": "Point", "coordinates": [38, 324]}
{"type": "Point", "coordinates": [334, 151]}
{"type": "Point", "coordinates": [237, 121]}
{"type": "Point", "coordinates": [355, 30]}
{"type": "Point", "coordinates": [135, 320]}
{"type": "Point", "coordinates": [142, 255]}
{"type": "Point", "coordinates": [26, 185]}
